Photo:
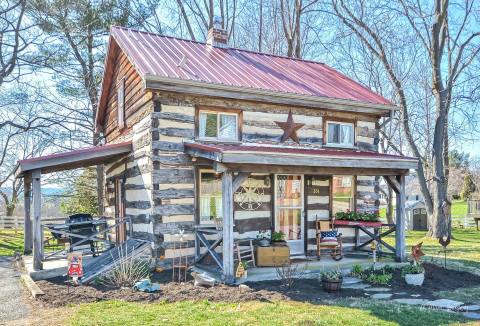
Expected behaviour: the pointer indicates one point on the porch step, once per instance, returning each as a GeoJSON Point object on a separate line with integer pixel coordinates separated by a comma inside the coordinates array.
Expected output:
{"type": "Point", "coordinates": [109, 259]}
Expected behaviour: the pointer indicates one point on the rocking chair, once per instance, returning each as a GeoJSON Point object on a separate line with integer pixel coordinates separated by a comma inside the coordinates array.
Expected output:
{"type": "Point", "coordinates": [328, 239]}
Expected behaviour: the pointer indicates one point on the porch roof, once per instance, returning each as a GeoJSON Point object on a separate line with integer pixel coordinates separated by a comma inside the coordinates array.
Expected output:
{"type": "Point", "coordinates": [73, 159]}
{"type": "Point", "coordinates": [300, 156]}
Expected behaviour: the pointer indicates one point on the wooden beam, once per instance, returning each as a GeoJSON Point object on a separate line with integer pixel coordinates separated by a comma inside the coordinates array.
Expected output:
{"type": "Point", "coordinates": [400, 220]}
{"type": "Point", "coordinates": [27, 235]}
{"type": "Point", "coordinates": [227, 208]}
{"type": "Point", "coordinates": [219, 167]}
{"type": "Point", "coordinates": [239, 179]}
{"type": "Point", "coordinates": [37, 226]}
{"type": "Point", "coordinates": [264, 168]}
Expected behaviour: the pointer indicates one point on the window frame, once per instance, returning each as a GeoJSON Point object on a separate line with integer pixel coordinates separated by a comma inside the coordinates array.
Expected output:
{"type": "Point", "coordinates": [219, 111]}
{"type": "Point", "coordinates": [121, 104]}
{"type": "Point", "coordinates": [351, 123]}
{"type": "Point", "coordinates": [354, 191]}
{"type": "Point", "coordinates": [198, 197]}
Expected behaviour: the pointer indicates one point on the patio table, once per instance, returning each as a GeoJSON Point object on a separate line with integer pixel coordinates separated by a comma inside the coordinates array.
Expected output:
{"type": "Point", "coordinates": [376, 235]}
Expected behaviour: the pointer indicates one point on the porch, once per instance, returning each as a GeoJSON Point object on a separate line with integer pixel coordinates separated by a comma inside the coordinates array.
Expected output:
{"type": "Point", "coordinates": [238, 162]}
{"type": "Point", "coordinates": [47, 261]}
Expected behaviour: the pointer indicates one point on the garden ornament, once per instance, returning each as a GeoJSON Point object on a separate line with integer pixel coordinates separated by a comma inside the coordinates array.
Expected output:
{"type": "Point", "coordinates": [417, 253]}
{"type": "Point", "coordinates": [145, 285]}
{"type": "Point", "coordinates": [444, 242]}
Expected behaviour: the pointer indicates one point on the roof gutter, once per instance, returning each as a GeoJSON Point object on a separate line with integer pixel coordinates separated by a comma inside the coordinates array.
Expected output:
{"type": "Point", "coordinates": [262, 95]}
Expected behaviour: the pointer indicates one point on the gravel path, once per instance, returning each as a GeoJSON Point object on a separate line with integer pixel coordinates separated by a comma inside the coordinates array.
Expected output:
{"type": "Point", "coordinates": [11, 293]}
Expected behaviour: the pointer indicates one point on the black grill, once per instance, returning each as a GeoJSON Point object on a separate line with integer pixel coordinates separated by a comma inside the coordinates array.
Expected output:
{"type": "Point", "coordinates": [83, 225]}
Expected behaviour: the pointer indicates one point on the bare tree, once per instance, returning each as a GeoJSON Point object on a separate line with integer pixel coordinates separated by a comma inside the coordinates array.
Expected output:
{"type": "Point", "coordinates": [449, 47]}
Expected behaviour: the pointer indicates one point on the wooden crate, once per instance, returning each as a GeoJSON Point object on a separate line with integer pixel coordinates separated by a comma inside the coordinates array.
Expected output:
{"type": "Point", "coordinates": [273, 256]}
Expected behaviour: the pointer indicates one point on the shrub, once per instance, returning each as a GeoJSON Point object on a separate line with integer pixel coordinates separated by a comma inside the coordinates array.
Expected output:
{"type": "Point", "coordinates": [290, 273]}
{"type": "Point", "coordinates": [127, 272]}
{"type": "Point", "coordinates": [356, 270]}
{"type": "Point", "coordinates": [412, 269]}
{"type": "Point", "coordinates": [380, 279]}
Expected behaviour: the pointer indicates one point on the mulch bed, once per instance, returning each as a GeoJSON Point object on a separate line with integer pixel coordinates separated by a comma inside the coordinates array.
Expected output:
{"type": "Point", "coordinates": [57, 293]}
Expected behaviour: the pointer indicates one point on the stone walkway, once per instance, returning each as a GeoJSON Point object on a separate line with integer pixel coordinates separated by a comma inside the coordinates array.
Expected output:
{"type": "Point", "coordinates": [12, 306]}
{"type": "Point", "coordinates": [384, 293]}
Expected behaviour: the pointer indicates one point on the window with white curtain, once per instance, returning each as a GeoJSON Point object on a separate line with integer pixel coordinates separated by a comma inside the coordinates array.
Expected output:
{"type": "Point", "coordinates": [218, 125]}
{"type": "Point", "coordinates": [210, 197]}
{"type": "Point", "coordinates": [340, 134]}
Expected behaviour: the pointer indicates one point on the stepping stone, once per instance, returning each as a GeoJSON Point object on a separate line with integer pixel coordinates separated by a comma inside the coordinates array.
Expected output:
{"type": "Point", "coordinates": [411, 301]}
{"type": "Point", "coordinates": [444, 304]}
{"type": "Point", "coordinates": [470, 308]}
{"type": "Point", "coordinates": [400, 293]}
{"type": "Point", "coordinates": [380, 296]}
{"type": "Point", "coordinates": [415, 295]}
{"type": "Point", "coordinates": [377, 289]}
{"type": "Point", "coordinates": [351, 280]}
{"type": "Point", "coordinates": [355, 286]}
{"type": "Point", "coordinates": [472, 315]}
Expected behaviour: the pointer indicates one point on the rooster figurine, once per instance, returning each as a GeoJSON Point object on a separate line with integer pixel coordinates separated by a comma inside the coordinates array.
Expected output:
{"type": "Point", "coordinates": [417, 252]}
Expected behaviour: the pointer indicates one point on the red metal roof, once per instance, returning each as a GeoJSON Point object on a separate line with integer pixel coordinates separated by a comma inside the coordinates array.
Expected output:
{"type": "Point", "coordinates": [170, 57]}
{"type": "Point", "coordinates": [294, 149]}
{"type": "Point", "coordinates": [73, 159]}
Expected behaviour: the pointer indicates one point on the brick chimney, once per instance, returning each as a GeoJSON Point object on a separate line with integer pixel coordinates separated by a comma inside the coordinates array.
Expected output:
{"type": "Point", "coordinates": [217, 36]}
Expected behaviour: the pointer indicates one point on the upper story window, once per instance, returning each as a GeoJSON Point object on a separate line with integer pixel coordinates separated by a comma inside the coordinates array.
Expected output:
{"type": "Point", "coordinates": [121, 103]}
{"type": "Point", "coordinates": [340, 134]}
{"type": "Point", "coordinates": [218, 125]}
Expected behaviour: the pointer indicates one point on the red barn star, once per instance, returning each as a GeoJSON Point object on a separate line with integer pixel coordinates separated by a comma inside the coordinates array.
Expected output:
{"type": "Point", "coordinates": [290, 128]}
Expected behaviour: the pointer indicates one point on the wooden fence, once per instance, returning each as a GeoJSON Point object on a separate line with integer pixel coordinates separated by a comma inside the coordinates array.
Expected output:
{"type": "Point", "coordinates": [16, 222]}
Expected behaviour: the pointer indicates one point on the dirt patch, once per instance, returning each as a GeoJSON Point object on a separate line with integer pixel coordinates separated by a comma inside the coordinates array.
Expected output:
{"type": "Point", "coordinates": [57, 293]}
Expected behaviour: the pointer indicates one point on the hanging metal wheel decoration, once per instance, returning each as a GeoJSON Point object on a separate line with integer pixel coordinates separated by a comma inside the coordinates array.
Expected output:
{"type": "Point", "coordinates": [249, 196]}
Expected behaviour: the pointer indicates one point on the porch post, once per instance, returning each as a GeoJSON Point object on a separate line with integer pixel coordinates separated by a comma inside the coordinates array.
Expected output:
{"type": "Point", "coordinates": [227, 210]}
{"type": "Point", "coordinates": [400, 220]}
{"type": "Point", "coordinates": [27, 225]}
{"type": "Point", "coordinates": [37, 227]}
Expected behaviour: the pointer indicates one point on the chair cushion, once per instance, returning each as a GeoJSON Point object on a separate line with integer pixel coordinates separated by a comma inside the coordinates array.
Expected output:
{"type": "Point", "coordinates": [329, 244]}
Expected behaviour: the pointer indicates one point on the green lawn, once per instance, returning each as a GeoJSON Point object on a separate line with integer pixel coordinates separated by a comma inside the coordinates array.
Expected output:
{"type": "Point", "coordinates": [346, 312]}
{"type": "Point", "coordinates": [464, 248]}
{"type": "Point", "coordinates": [459, 210]}
{"type": "Point", "coordinates": [11, 241]}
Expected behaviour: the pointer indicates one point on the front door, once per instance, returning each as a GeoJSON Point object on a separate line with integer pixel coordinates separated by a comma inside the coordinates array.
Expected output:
{"type": "Point", "coordinates": [289, 211]}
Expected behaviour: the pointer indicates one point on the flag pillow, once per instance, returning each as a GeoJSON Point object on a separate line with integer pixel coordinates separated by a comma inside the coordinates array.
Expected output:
{"type": "Point", "coordinates": [328, 236]}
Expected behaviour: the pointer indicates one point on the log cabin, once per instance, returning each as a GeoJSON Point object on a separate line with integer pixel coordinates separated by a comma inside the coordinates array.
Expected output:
{"type": "Point", "coordinates": [199, 132]}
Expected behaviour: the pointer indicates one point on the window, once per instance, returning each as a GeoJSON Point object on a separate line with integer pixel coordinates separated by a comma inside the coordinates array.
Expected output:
{"type": "Point", "coordinates": [210, 197]}
{"type": "Point", "coordinates": [218, 125]}
{"type": "Point", "coordinates": [342, 193]}
{"type": "Point", "coordinates": [121, 103]}
{"type": "Point", "coordinates": [340, 134]}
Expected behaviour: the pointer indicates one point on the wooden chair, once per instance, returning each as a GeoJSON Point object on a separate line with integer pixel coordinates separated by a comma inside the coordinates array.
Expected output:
{"type": "Point", "coordinates": [334, 247]}
{"type": "Point", "coordinates": [243, 248]}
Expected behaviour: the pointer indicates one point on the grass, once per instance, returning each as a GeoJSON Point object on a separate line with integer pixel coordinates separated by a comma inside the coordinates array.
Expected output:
{"type": "Point", "coordinates": [348, 312]}
{"type": "Point", "coordinates": [471, 294]}
{"type": "Point", "coordinates": [11, 241]}
{"type": "Point", "coordinates": [464, 246]}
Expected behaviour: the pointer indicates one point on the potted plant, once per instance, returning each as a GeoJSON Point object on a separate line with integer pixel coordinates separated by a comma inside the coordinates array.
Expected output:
{"type": "Point", "coordinates": [349, 215]}
{"type": "Point", "coordinates": [264, 238]}
{"type": "Point", "coordinates": [331, 281]}
{"type": "Point", "coordinates": [278, 239]}
{"type": "Point", "coordinates": [413, 274]}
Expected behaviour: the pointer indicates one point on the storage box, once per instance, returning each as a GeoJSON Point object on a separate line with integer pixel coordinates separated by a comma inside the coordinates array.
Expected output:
{"type": "Point", "coordinates": [273, 256]}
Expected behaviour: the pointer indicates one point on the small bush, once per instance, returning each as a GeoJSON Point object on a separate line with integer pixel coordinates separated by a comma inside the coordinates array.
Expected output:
{"type": "Point", "coordinates": [356, 270]}
{"type": "Point", "coordinates": [289, 274]}
{"type": "Point", "coordinates": [380, 279]}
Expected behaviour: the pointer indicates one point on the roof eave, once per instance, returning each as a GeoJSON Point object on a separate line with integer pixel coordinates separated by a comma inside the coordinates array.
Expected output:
{"type": "Point", "coordinates": [253, 94]}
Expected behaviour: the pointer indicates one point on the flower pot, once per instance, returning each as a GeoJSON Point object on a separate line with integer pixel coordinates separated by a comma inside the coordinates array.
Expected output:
{"type": "Point", "coordinates": [332, 286]}
{"type": "Point", "coordinates": [279, 243]}
{"type": "Point", "coordinates": [415, 279]}
{"type": "Point", "coordinates": [264, 243]}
